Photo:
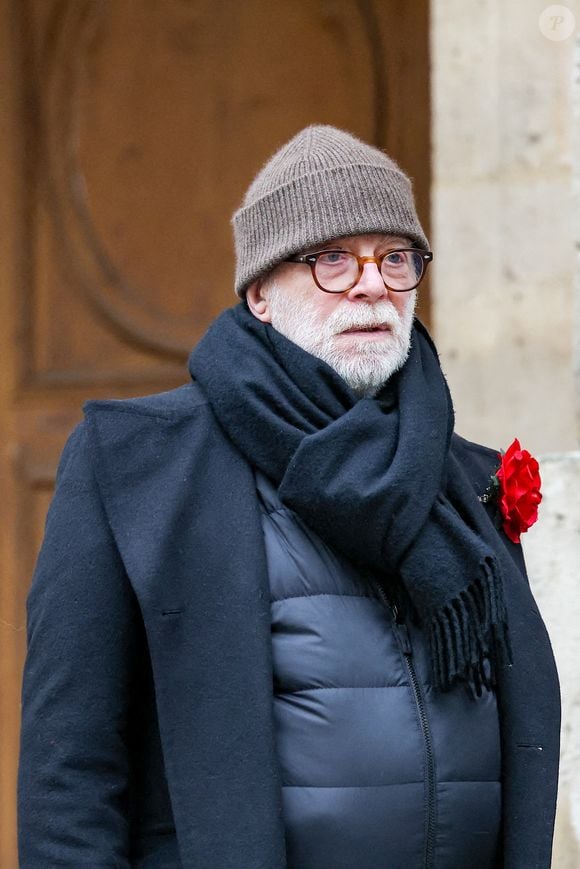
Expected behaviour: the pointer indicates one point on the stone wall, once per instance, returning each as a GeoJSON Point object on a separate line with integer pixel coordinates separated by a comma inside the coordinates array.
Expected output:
{"type": "Point", "coordinates": [506, 286]}
{"type": "Point", "coordinates": [503, 221]}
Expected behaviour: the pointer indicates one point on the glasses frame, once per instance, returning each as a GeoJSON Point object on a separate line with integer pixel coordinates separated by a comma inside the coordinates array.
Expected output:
{"type": "Point", "coordinates": [310, 259]}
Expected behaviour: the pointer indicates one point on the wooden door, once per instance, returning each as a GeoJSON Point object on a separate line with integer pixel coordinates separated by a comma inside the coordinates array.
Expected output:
{"type": "Point", "coordinates": [130, 129]}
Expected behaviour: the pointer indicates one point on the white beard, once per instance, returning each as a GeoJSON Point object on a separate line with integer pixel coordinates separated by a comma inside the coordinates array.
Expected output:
{"type": "Point", "coordinates": [364, 364]}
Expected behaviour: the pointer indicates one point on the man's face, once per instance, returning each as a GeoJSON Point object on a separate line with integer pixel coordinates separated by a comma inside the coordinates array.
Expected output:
{"type": "Point", "coordinates": [335, 326]}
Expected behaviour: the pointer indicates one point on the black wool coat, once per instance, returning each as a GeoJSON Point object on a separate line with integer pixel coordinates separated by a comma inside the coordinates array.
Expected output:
{"type": "Point", "coordinates": [147, 731]}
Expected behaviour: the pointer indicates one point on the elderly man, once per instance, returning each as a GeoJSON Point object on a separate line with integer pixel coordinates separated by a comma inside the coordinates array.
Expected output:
{"type": "Point", "coordinates": [277, 620]}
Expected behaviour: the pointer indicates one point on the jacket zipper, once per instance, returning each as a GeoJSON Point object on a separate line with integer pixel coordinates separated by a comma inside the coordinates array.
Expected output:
{"type": "Point", "coordinates": [404, 642]}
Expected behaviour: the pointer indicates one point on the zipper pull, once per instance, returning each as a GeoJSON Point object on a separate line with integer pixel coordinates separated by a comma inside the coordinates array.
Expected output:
{"type": "Point", "coordinates": [399, 627]}
{"type": "Point", "coordinates": [401, 631]}
{"type": "Point", "coordinates": [402, 635]}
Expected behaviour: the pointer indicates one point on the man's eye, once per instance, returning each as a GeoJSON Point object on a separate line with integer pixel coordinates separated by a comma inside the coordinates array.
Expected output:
{"type": "Point", "coordinates": [333, 258]}
{"type": "Point", "coordinates": [396, 258]}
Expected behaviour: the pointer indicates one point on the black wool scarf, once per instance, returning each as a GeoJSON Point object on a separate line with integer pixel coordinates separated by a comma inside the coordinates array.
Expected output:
{"type": "Point", "coordinates": [375, 478]}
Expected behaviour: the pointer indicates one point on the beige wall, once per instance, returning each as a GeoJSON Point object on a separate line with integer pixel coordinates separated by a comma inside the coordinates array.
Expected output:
{"type": "Point", "coordinates": [503, 221]}
{"type": "Point", "coordinates": [506, 287]}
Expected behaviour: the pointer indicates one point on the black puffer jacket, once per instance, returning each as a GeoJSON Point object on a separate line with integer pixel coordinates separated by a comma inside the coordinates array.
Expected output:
{"type": "Point", "coordinates": [378, 770]}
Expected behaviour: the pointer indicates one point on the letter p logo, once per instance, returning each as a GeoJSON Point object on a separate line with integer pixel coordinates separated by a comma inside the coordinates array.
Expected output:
{"type": "Point", "coordinates": [557, 23]}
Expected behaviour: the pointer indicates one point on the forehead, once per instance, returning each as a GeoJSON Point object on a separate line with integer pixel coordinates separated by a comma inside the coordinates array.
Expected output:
{"type": "Point", "coordinates": [353, 242]}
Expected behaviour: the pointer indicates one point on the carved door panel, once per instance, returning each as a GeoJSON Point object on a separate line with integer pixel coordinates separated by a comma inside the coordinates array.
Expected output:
{"type": "Point", "coordinates": [131, 129]}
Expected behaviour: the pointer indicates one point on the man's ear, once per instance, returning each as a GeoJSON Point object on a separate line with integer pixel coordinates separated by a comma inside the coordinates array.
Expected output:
{"type": "Point", "coordinates": [257, 299]}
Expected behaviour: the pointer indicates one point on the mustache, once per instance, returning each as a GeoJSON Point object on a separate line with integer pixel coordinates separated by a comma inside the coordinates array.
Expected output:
{"type": "Point", "coordinates": [363, 317]}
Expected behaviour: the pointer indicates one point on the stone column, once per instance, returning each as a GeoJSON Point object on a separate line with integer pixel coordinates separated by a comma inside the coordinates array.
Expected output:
{"type": "Point", "coordinates": [576, 218]}
{"type": "Point", "coordinates": [502, 221]}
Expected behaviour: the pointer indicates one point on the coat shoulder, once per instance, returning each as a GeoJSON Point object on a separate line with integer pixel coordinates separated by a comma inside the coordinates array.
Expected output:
{"type": "Point", "coordinates": [484, 453]}
{"type": "Point", "coordinates": [479, 461]}
{"type": "Point", "coordinates": [174, 403]}
{"type": "Point", "coordinates": [149, 440]}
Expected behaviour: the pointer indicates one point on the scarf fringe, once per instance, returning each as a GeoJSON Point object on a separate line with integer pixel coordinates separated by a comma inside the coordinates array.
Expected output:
{"type": "Point", "coordinates": [468, 637]}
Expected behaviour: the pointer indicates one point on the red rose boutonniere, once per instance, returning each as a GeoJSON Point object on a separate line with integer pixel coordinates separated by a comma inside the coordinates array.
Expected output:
{"type": "Point", "coordinates": [516, 489]}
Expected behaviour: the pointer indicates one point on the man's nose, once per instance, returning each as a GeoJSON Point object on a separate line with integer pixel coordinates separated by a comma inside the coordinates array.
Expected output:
{"type": "Point", "coordinates": [371, 285]}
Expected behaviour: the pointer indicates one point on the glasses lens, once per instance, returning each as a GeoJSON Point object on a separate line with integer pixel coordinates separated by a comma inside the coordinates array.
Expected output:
{"type": "Point", "coordinates": [336, 270]}
{"type": "Point", "coordinates": [402, 269]}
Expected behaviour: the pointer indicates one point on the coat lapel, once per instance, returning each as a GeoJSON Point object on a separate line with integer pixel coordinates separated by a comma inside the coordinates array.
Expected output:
{"type": "Point", "coordinates": [183, 508]}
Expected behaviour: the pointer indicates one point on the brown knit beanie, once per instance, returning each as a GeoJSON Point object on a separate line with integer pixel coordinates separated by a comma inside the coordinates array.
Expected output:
{"type": "Point", "coordinates": [323, 184]}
